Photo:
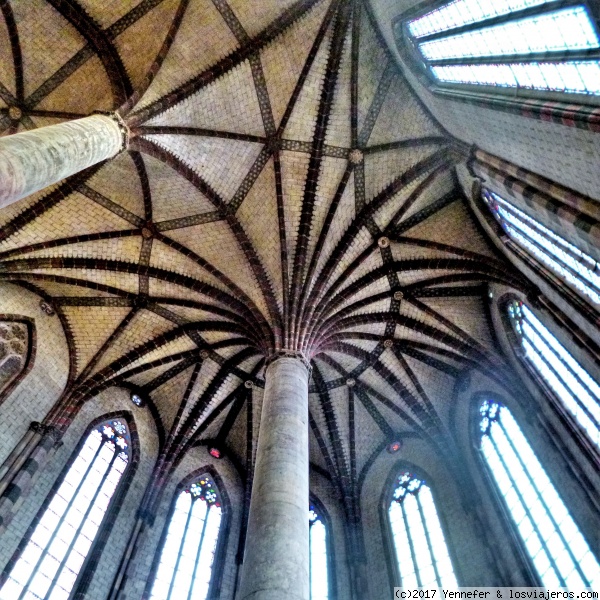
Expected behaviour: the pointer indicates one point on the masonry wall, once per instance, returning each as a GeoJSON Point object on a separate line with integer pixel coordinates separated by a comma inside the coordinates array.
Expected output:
{"type": "Point", "coordinates": [564, 154]}
{"type": "Point", "coordinates": [109, 401]}
{"type": "Point", "coordinates": [42, 385]}
{"type": "Point", "coordinates": [197, 458]}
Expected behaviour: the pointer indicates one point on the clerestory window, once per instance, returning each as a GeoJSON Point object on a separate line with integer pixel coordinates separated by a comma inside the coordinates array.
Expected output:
{"type": "Point", "coordinates": [52, 558]}
{"type": "Point", "coordinates": [186, 560]}
{"type": "Point", "coordinates": [576, 268]}
{"type": "Point", "coordinates": [548, 45]}
{"type": "Point", "coordinates": [569, 382]}
{"type": "Point", "coordinates": [421, 550]}
{"type": "Point", "coordinates": [558, 550]}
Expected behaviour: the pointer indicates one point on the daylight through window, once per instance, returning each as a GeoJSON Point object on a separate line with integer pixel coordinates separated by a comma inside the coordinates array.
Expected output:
{"type": "Point", "coordinates": [560, 554]}
{"type": "Point", "coordinates": [571, 383]}
{"type": "Point", "coordinates": [319, 582]}
{"type": "Point", "coordinates": [188, 553]}
{"type": "Point", "coordinates": [52, 558]}
{"type": "Point", "coordinates": [577, 268]}
{"type": "Point", "coordinates": [502, 43]}
{"type": "Point", "coordinates": [421, 550]}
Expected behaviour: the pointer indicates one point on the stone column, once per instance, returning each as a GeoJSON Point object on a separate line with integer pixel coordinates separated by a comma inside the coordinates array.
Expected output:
{"type": "Point", "coordinates": [33, 160]}
{"type": "Point", "coordinates": [276, 558]}
{"type": "Point", "coordinates": [21, 468]}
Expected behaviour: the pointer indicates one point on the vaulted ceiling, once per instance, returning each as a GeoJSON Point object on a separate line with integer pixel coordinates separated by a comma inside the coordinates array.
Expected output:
{"type": "Point", "coordinates": [283, 189]}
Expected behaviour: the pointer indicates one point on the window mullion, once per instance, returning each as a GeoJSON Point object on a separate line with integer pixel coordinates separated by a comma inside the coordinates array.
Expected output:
{"type": "Point", "coordinates": [566, 246]}
{"type": "Point", "coordinates": [185, 534]}
{"type": "Point", "coordinates": [557, 528]}
{"type": "Point", "coordinates": [555, 258]}
{"type": "Point", "coordinates": [523, 504]}
{"type": "Point", "coordinates": [200, 544]}
{"type": "Point", "coordinates": [531, 57]}
{"type": "Point", "coordinates": [551, 368]}
{"type": "Point", "coordinates": [411, 546]}
{"type": "Point", "coordinates": [498, 20]}
{"type": "Point", "coordinates": [82, 524]}
{"type": "Point", "coordinates": [429, 545]}
{"type": "Point", "coordinates": [61, 520]}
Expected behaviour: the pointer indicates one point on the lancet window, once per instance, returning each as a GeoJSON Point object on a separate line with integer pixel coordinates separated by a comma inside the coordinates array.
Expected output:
{"type": "Point", "coordinates": [51, 560]}
{"type": "Point", "coordinates": [558, 550]}
{"type": "Point", "coordinates": [576, 268]}
{"type": "Point", "coordinates": [319, 576]}
{"type": "Point", "coordinates": [567, 380]}
{"type": "Point", "coordinates": [421, 550]}
{"type": "Point", "coordinates": [185, 566]}
{"type": "Point", "coordinates": [544, 45]}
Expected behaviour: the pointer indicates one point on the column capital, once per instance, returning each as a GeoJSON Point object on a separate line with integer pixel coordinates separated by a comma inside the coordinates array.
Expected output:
{"type": "Point", "coordinates": [49, 431]}
{"type": "Point", "coordinates": [287, 353]}
{"type": "Point", "coordinates": [118, 119]}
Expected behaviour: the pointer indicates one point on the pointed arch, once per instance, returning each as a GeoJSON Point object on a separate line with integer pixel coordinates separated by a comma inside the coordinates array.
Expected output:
{"type": "Point", "coordinates": [17, 351]}
{"type": "Point", "coordinates": [189, 558]}
{"type": "Point", "coordinates": [416, 536]}
{"type": "Point", "coordinates": [558, 553]}
{"type": "Point", "coordinates": [59, 553]}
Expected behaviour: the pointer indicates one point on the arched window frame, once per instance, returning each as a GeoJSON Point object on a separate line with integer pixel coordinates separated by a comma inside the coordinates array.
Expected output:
{"type": "Point", "coordinates": [517, 549]}
{"type": "Point", "coordinates": [564, 289]}
{"type": "Point", "coordinates": [388, 536]}
{"type": "Point", "coordinates": [326, 519]}
{"type": "Point", "coordinates": [31, 350]}
{"type": "Point", "coordinates": [565, 417]}
{"type": "Point", "coordinates": [88, 569]}
{"type": "Point", "coordinates": [222, 539]}
{"type": "Point", "coordinates": [530, 102]}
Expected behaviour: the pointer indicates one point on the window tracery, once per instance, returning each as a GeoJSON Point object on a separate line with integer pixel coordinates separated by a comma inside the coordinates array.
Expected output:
{"type": "Point", "coordinates": [560, 554]}
{"type": "Point", "coordinates": [49, 564]}
{"type": "Point", "coordinates": [14, 349]}
{"type": "Point", "coordinates": [421, 550]}
{"type": "Point", "coordinates": [577, 268]}
{"type": "Point", "coordinates": [187, 556]}
{"type": "Point", "coordinates": [530, 44]}
{"type": "Point", "coordinates": [568, 380]}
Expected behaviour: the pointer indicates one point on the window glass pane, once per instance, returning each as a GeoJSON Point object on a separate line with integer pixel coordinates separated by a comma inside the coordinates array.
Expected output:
{"type": "Point", "coordinates": [464, 12]}
{"type": "Point", "coordinates": [570, 382]}
{"type": "Point", "coordinates": [567, 29]}
{"type": "Point", "coordinates": [319, 582]}
{"type": "Point", "coordinates": [558, 551]}
{"type": "Point", "coordinates": [582, 77]}
{"type": "Point", "coordinates": [421, 549]}
{"type": "Point", "coordinates": [187, 556]}
{"type": "Point", "coordinates": [569, 32]}
{"type": "Point", "coordinates": [54, 554]}
{"type": "Point", "coordinates": [577, 268]}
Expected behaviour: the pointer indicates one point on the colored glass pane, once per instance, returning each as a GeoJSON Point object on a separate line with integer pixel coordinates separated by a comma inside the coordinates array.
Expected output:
{"type": "Point", "coordinates": [421, 550]}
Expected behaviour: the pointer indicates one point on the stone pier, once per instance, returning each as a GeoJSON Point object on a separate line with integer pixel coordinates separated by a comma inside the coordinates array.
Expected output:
{"type": "Point", "coordinates": [276, 558]}
{"type": "Point", "coordinates": [33, 160]}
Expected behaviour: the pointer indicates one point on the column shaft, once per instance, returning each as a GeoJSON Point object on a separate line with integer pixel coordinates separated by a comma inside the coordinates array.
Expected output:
{"type": "Point", "coordinates": [276, 558]}
{"type": "Point", "coordinates": [33, 160]}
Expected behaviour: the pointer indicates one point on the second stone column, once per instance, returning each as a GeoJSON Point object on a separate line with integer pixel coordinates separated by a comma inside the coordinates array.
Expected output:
{"type": "Point", "coordinates": [276, 558]}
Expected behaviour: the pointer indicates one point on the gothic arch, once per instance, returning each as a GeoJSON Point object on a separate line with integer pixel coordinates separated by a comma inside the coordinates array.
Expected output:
{"type": "Point", "coordinates": [17, 351]}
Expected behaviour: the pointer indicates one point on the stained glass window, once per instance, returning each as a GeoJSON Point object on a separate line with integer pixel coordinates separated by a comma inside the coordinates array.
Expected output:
{"type": "Point", "coordinates": [319, 581]}
{"type": "Point", "coordinates": [187, 556]}
{"type": "Point", "coordinates": [560, 554]}
{"type": "Point", "coordinates": [502, 44]}
{"type": "Point", "coordinates": [50, 562]}
{"type": "Point", "coordinates": [577, 268]}
{"type": "Point", "coordinates": [421, 550]}
{"type": "Point", "coordinates": [570, 382]}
